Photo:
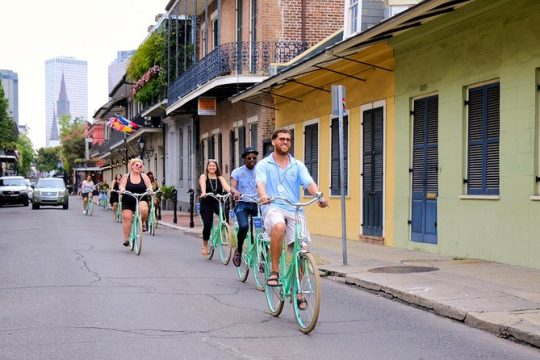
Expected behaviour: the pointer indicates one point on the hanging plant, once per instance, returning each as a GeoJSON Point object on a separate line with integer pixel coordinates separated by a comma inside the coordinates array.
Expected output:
{"type": "Point", "coordinates": [149, 75]}
{"type": "Point", "coordinates": [146, 68]}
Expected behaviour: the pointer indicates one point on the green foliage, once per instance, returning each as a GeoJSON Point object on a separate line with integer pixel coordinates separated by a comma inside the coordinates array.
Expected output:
{"type": "Point", "coordinates": [167, 191]}
{"type": "Point", "coordinates": [72, 142]}
{"type": "Point", "coordinates": [26, 155]}
{"type": "Point", "coordinates": [8, 128]}
{"type": "Point", "coordinates": [151, 52]}
{"type": "Point", "coordinates": [47, 158]}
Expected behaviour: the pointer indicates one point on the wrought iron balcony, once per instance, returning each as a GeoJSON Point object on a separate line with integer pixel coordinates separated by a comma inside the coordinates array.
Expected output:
{"type": "Point", "coordinates": [237, 58]}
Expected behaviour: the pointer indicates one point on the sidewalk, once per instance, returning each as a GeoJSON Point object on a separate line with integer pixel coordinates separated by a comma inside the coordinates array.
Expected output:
{"type": "Point", "coordinates": [498, 298]}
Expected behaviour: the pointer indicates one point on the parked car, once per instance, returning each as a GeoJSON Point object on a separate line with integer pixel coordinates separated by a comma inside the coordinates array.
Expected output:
{"type": "Point", "coordinates": [13, 190]}
{"type": "Point", "coordinates": [50, 192]}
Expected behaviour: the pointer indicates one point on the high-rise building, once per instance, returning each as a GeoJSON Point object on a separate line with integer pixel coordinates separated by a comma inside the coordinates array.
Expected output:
{"type": "Point", "coordinates": [10, 84]}
{"type": "Point", "coordinates": [66, 93]}
{"type": "Point", "coordinates": [118, 67]}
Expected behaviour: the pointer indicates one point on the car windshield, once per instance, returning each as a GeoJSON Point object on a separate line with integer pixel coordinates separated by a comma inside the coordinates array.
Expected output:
{"type": "Point", "coordinates": [12, 182]}
{"type": "Point", "coordinates": [50, 183]}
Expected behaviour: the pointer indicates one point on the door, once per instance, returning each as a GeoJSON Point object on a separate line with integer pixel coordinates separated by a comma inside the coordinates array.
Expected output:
{"type": "Point", "coordinates": [372, 171]}
{"type": "Point", "coordinates": [425, 176]}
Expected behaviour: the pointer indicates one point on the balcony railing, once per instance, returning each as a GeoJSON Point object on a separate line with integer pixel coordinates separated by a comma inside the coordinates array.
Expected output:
{"type": "Point", "coordinates": [233, 59]}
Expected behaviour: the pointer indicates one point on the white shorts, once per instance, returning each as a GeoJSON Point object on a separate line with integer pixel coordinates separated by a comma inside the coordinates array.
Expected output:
{"type": "Point", "coordinates": [274, 216]}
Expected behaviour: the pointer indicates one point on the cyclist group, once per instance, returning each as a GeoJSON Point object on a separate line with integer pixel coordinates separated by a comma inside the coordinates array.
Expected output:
{"type": "Point", "coordinates": [136, 182]}
{"type": "Point", "coordinates": [277, 175]}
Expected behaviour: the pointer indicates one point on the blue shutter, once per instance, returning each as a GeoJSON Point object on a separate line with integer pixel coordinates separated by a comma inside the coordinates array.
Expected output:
{"type": "Point", "coordinates": [483, 140]}
{"type": "Point", "coordinates": [311, 149]}
{"type": "Point", "coordinates": [335, 173]}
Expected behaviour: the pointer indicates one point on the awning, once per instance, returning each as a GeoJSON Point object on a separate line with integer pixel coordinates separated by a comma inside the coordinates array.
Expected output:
{"type": "Point", "coordinates": [408, 19]}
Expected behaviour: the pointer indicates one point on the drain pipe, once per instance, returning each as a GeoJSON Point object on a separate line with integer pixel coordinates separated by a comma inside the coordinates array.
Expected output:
{"type": "Point", "coordinates": [303, 17]}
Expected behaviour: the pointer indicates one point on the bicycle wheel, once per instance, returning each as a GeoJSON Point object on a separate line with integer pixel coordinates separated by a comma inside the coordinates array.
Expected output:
{"type": "Point", "coordinates": [137, 239]}
{"type": "Point", "coordinates": [119, 212]}
{"type": "Point", "coordinates": [225, 246]}
{"type": "Point", "coordinates": [89, 207]}
{"type": "Point", "coordinates": [243, 269]}
{"type": "Point", "coordinates": [211, 243]}
{"type": "Point", "coordinates": [152, 223]}
{"type": "Point", "coordinates": [307, 284]}
{"type": "Point", "coordinates": [274, 294]}
{"type": "Point", "coordinates": [259, 263]}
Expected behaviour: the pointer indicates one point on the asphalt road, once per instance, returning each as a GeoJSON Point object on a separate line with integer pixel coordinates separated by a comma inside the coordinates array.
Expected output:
{"type": "Point", "coordinates": [70, 290]}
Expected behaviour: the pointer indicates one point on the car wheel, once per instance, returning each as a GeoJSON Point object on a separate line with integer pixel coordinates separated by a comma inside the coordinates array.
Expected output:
{"type": "Point", "coordinates": [25, 203]}
{"type": "Point", "coordinates": [35, 206]}
{"type": "Point", "coordinates": [65, 206]}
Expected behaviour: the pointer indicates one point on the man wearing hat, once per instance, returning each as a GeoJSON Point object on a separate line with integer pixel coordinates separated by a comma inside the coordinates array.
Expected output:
{"type": "Point", "coordinates": [243, 183]}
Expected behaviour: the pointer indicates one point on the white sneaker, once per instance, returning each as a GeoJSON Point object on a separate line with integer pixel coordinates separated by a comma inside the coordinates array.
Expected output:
{"type": "Point", "coordinates": [84, 212]}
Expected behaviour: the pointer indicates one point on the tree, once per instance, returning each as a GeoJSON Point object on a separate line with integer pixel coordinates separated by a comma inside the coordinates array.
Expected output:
{"type": "Point", "coordinates": [48, 158]}
{"type": "Point", "coordinates": [26, 155]}
{"type": "Point", "coordinates": [8, 128]}
{"type": "Point", "coordinates": [71, 142]}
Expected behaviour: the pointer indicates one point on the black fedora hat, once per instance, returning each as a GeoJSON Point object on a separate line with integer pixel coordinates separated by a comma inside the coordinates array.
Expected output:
{"type": "Point", "coordinates": [249, 150]}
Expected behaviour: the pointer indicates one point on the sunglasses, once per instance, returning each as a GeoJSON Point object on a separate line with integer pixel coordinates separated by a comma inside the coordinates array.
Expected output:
{"type": "Point", "coordinates": [250, 158]}
{"type": "Point", "coordinates": [285, 139]}
{"type": "Point", "coordinates": [137, 165]}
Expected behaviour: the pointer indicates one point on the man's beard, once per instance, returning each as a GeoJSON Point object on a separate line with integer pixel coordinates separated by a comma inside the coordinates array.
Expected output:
{"type": "Point", "coordinates": [281, 152]}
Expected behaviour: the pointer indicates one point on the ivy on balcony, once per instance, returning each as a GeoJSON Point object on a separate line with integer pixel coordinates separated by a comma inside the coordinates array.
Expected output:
{"type": "Point", "coordinates": [146, 69]}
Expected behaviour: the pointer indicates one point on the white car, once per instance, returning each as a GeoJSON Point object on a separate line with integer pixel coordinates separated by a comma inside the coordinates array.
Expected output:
{"type": "Point", "coordinates": [13, 190]}
{"type": "Point", "coordinates": [29, 187]}
{"type": "Point", "coordinates": [50, 192]}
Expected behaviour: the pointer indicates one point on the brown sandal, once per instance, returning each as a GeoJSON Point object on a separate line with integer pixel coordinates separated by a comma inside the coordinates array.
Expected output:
{"type": "Point", "coordinates": [273, 279]}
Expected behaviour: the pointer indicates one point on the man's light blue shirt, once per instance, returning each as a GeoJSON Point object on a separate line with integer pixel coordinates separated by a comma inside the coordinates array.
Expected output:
{"type": "Point", "coordinates": [296, 175]}
{"type": "Point", "coordinates": [246, 182]}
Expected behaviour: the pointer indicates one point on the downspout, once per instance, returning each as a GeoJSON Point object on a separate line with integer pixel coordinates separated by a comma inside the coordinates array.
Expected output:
{"type": "Point", "coordinates": [303, 19]}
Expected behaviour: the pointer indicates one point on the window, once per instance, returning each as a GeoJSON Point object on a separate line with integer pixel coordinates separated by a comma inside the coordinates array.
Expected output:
{"type": "Point", "coordinates": [190, 155]}
{"type": "Point", "coordinates": [483, 140]}
{"type": "Point", "coordinates": [181, 153]}
{"type": "Point", "coordinates": [253, 134]}
{"type": "Point", "coordinates": [352, 18]}
{"type": "Point", "coordinates": [311, 149]}
{"type": "Point", "coordinates": [335, 181]}
{"type": "Point", "coordinates": [215, 33]}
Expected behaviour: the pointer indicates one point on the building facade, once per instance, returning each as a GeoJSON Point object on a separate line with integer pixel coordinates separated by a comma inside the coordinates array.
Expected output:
{"type": "Point", "coordinates": [225, 46]}
{"type": "Point", "coordinates": [74, 74]}
{"type": "Point", "coordinates": [10, 84]}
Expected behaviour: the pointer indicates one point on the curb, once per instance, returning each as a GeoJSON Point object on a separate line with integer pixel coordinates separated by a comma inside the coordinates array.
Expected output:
{"type": "Point", "coordinates": [504, 325]}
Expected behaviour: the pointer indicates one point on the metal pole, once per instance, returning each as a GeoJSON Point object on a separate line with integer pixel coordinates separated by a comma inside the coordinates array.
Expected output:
{"type": "Point", "coordinates": [341, 105]}
{"type": "Point", "coordinates": [126, 150]}
{"type": "Point", "coordinates": [175, 220]}
{"type": "Point", "coordinates": [191, 207]}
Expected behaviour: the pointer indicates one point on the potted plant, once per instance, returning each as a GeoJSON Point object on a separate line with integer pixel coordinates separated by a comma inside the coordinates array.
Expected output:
{"type": "Point", "coordinates": [167, 193]}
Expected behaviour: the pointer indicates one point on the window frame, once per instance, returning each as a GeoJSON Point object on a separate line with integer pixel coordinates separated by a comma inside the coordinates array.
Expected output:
{"type": "Point", "coordinates": [307, 124]}
{"type": "Point", "coordinates": [335, 188]}
{"type": "Point", "coordinates": [484, 190]}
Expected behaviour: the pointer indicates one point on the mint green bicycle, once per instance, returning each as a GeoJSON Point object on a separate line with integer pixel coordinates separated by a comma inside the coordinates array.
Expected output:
{"type": "Point", "coordinates": [219, 237]}
{"type": "Point", "coordinates": [135, 235]}
{"type": "Point", "coordinates": [89, 209]}
{"type": "Point", "coordinates": [298, 280]}
{"type": "Point", "coordinates": [152, 216]}
{"type": "Point", "coordinates": [254, 250]}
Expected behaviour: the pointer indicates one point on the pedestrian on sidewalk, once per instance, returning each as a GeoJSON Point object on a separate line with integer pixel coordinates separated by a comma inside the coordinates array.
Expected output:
{"type": "Point", "coordinates": [210, 182]}
{"type": "Point", "coordinates": [280, 174]}
{"type": "Point", "coordinates": [243, 183]}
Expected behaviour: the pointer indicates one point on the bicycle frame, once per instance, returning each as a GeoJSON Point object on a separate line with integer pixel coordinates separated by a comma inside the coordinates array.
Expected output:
{"type": "Point", "coordinates": [302, 266]}
{"type": "Point", "coordinates": [217, 233]}
{"type": "Point", "coordinates": [135, 233]}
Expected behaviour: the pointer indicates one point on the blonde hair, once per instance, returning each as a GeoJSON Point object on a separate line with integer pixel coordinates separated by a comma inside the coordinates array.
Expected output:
{"type": "Point", "coordinates": [134, 160]}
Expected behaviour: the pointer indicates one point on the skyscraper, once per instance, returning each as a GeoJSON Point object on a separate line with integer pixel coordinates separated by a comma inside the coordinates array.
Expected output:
{"type": "Point", "coordinates": [118, 67]}
{"type": "Point", "coordinates": [66, 93]}
{"type": "Point", "coordinates": [10, 84]}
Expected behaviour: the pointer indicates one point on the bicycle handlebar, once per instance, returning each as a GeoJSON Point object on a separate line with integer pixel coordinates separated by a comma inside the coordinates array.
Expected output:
{"type": "Point", "coordinates": [254, 199]}
{"type": "Point", "coordinates": [317, 197]}
{"type": "Point", "coordinates": [136, 196]}
{"type": "Point", "coordinates": [218, 197]}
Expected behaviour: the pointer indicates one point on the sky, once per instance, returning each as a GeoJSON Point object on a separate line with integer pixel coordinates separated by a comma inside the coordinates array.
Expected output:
{"type": "Point", "coordinates": [32, 31]}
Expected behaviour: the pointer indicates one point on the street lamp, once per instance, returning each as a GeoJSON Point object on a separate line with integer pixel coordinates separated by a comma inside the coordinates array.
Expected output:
{"type": "Point", "coordinates": [141, 147]}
